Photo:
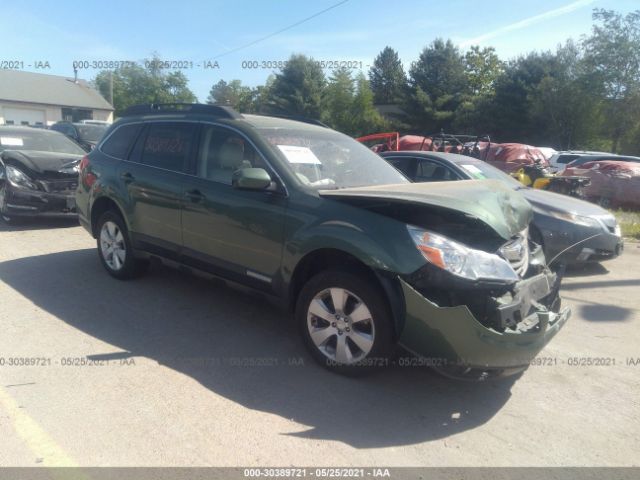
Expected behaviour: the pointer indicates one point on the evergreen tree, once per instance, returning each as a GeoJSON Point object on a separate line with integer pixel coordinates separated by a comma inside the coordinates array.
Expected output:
{"type": "Point", "coordinates": [298, 88]}
{"type": "Point", "coordinates": [387, 78]}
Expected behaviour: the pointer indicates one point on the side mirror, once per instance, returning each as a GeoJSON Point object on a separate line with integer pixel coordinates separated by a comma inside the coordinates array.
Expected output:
{"type": "Point", "coordinates": [251, 179]}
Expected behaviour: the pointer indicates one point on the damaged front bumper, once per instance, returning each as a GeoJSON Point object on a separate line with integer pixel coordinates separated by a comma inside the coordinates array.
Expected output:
{"type": "Point", "coordinates": [23, 203]}
{"type": "Point", "coordinates": [454, 339]}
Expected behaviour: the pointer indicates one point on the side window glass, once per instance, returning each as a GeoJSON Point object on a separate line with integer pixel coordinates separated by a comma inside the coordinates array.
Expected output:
{"type": "Point", "coordinates": [167, 145]}
{"type": "Point", "coordinates": [222, 152]}
{"type": "Point", "coordinates": [406, 165]}
{"type": "Point", "coordinates": [433, 172]}
{"type": "Point", "coordinates": [119, 143]}
{"type": "Point", "coordinates": [566, 158]}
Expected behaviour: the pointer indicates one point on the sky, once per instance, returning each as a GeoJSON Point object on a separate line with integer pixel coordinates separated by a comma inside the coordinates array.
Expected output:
{"type": "Point", "coordinates": [47, 37]}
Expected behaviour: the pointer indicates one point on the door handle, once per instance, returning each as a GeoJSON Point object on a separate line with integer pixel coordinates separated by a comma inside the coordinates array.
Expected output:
{"type": "Point", "coordinates": [127, 177]}
{"type": "Point", "coordinates": [195, 195]}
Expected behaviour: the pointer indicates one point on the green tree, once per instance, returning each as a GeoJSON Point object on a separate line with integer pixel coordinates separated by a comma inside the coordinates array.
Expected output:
{"type": "Point", "coordinates": [568, 101]}
{"type": "Point", "coordinates": [386, 77]}
{"type": "Point", "coordinates": [233, 94]}
{"type": "Point", "coordinates": [298, 88]}
{"type": "Point", "coordinates": [262, 95]}
{"type": "Point", "coordinates": [482, 68]}
{"type": "Point", "coordinates": [437, 85]}
{"type": "Point", "coordinates": [508, 115]}
{"type": "Point", "coordinates": [134, 84]}
{"type": "Point", "coordinates": [338, 100]}
{"type": "Point", "coordinates": [366, 118]}
{"type": "Point", "coordinates": [439, 70]}
{"type": "Point", "coordinates": [612, 51]}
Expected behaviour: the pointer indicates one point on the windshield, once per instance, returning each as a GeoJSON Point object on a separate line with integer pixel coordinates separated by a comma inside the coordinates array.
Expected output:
{"type": "Point", "coordinates": [325, 159]}
{"type": "Point", "coordinates": [44, 141]}
{"type": "Point", "coordinates": [91, 133]}
{"type": "Point", "coordinates": [481, 170]}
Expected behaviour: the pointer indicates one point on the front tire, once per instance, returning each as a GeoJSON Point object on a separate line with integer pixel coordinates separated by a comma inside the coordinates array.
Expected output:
{"type": "Point", "coordinates": [114, 248]}
{"type": "Point", "coordinates": [345, 322]}
{"type": "Point", "coordinates": [3, 195]}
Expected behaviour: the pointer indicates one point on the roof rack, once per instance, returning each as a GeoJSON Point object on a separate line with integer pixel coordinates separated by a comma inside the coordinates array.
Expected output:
{"type": "Point", "coordinates": [168, 108]}
{"type": "Point", "coordinates": [297, 118]}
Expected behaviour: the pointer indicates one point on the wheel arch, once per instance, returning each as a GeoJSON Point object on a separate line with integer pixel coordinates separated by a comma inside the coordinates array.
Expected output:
{"type": "Point", "coordinates": [101, 205]}
{"type": "Point", "coordinates": [323, 259]}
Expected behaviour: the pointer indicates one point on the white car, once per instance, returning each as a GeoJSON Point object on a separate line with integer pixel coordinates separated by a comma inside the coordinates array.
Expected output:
{"type": "Point", "coordinates": [559, 160]}
{"type": "Point", "coordinates": [95, 122]}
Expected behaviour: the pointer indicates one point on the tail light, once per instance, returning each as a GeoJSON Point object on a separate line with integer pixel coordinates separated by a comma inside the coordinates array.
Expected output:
{"type": "Point", "coordinates": [86, 176]}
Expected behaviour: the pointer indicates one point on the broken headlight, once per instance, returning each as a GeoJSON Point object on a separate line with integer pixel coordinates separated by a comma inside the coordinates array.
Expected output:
{"type": "Point", "coordinates": [461, 260]}
{"type": "Point", "coordinates": [19, 179]}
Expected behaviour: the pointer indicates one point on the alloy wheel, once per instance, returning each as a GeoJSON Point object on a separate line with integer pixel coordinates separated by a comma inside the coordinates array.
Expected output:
{"type": "Point", "coordinates": [340, 326]}
{"type": "Point", "coordinates": [112, 246]}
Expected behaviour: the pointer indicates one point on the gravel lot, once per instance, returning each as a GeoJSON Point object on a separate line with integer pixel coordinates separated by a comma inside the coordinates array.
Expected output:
{"type": "Point", "coordinates": [169, 386]}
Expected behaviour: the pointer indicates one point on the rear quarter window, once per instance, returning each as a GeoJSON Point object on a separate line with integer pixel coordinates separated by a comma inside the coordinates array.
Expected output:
{"type": "Point", "coordinates": [119, 142]}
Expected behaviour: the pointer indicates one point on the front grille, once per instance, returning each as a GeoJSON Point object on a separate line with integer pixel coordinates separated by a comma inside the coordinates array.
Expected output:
{"type": "Point", "coordinates": [59, 186]}
{"type": "Point", "coordinates": [516, 252]}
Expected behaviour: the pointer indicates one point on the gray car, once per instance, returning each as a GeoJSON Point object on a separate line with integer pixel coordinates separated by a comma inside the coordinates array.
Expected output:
{"type": "Point", "coordinates": [570, 230]}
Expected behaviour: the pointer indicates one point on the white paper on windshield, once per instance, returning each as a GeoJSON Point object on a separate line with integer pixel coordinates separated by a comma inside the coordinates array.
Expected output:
{"type": "Point", "coordinates": [11, 141]}
{"type": "Point", "coordinates": [473, 170]}
{"type": "Point", "coordinates": [296, 154]}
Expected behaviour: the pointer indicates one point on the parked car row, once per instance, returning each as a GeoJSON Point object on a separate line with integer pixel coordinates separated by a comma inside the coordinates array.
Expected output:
{"type": "Point", "coordinates": [87, 133]}
{"type": "Point", "coordinates": [573, 173]}
{"type": "Point", "coordinates": [364, 258]}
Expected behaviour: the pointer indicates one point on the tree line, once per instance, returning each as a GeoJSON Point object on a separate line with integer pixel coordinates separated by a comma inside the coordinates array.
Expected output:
{"type": "Point", "coordinates": [583, 95]}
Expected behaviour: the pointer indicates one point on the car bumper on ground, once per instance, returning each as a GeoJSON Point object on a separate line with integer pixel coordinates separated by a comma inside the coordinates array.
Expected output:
{"type": "Point", "coordinates": [34, 203]}
{"type": "Point", "coordinates": [452, 338]}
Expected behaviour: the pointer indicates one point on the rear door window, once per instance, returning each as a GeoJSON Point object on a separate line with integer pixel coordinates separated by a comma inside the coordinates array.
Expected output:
{"type": "Point", "coordinates": [120, 141]}
{"type": "Point", "coordinates": [429, 171]}
{"type": "Point", "coordinates": [406, 165]}
{"type": "Point", "coordinates": [168, 145]}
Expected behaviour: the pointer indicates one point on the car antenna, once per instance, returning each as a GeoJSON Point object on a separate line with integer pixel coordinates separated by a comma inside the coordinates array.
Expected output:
{"type": "Point", "coordinates": [571, 246]}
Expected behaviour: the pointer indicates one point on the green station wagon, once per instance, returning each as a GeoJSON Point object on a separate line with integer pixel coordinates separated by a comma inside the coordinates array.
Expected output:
{"type": "Point", "coordinates": [364, 258]}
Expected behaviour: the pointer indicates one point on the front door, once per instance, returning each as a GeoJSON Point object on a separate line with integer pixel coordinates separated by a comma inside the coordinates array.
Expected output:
{"type": "Point", "coordinates": [233, 233]}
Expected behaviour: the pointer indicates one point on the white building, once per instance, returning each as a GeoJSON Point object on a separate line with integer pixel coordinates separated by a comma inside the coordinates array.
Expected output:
{"type": "Point", "coordinates": [36, 99]}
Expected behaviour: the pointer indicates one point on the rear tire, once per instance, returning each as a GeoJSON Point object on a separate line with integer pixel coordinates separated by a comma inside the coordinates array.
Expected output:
{"type": "Point", "coordinates": [345, 322]}
{"type": "Point", "coordinates": [114, 248]}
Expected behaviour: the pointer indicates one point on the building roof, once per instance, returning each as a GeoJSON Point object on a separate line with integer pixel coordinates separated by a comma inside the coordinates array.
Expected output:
{"type": "Point", "coordinates": [28, 87]}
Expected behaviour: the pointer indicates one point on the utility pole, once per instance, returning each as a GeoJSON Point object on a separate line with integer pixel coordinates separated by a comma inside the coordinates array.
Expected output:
{"type": "Point", "coordinates": [111, 87]}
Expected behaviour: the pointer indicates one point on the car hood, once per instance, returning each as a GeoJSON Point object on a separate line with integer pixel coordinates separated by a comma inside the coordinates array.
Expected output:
{"type": "Point", "coordinates": [551, 201]}
{"type": "Point", "coordinates": [491, 201]}
{"type": "Point", "coordinates": [39, 164]}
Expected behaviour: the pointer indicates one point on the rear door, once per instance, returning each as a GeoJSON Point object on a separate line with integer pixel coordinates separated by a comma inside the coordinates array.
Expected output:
{"type": "Point", "coordinates": [154, 178]}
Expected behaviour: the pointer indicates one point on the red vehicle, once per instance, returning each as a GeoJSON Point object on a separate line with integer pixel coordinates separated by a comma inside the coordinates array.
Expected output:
{"type": "Point", "coordinates": [508, 157]}
{"type": "Point", "coordinates": [614, 183]}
